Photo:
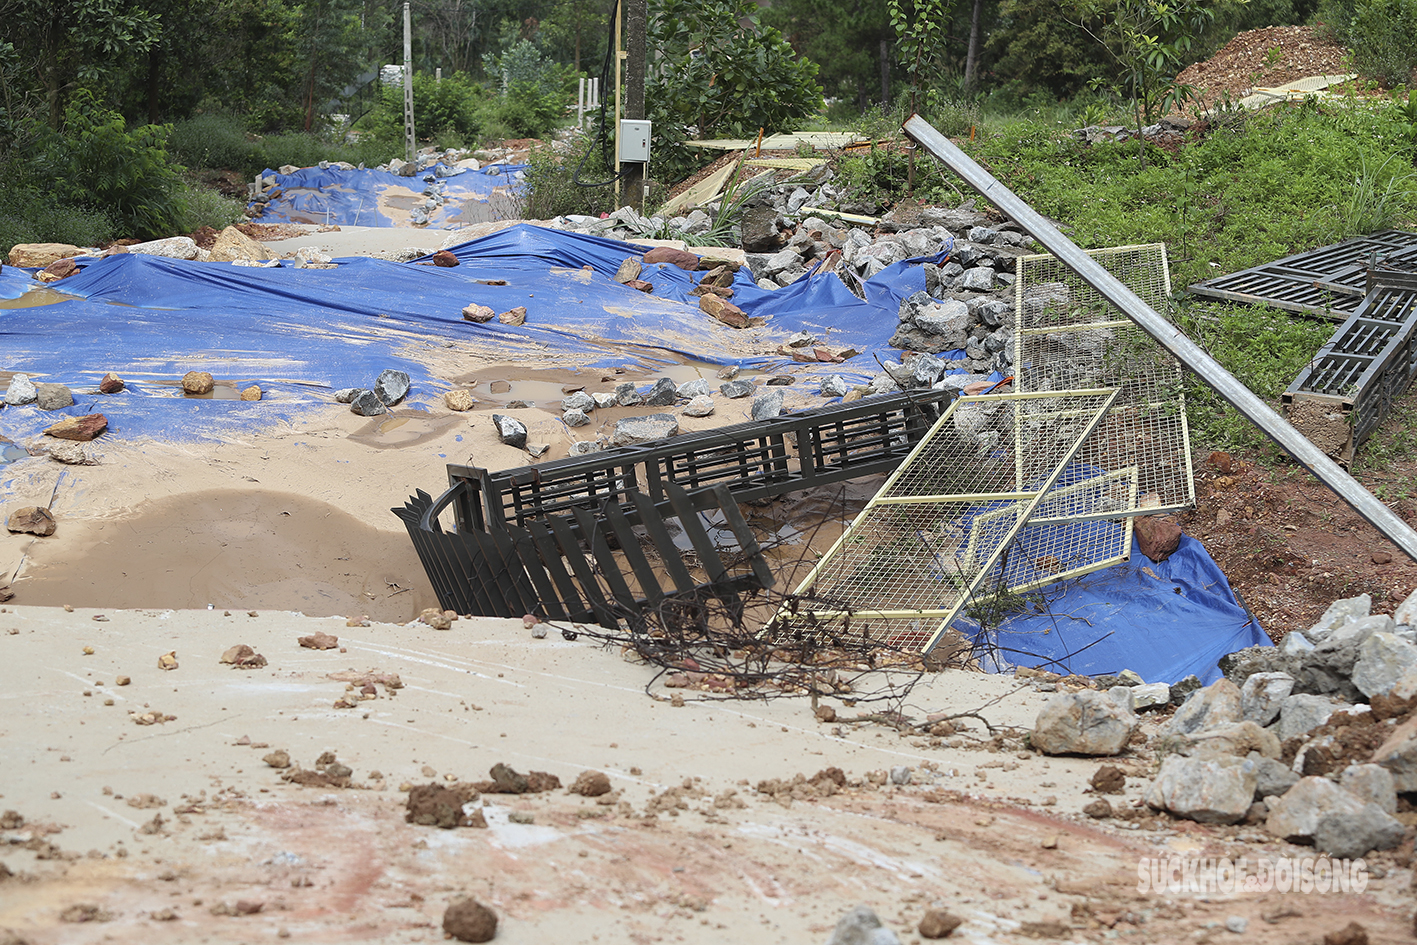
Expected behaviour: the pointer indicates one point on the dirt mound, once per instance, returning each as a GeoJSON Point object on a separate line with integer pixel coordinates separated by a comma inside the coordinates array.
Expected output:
{"type": "Point", "coordinates": [1263, 59]}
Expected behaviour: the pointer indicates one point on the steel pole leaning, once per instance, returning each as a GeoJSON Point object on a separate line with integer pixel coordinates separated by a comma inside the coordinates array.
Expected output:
{"type": "Point", "coordinates": [1169, 336]}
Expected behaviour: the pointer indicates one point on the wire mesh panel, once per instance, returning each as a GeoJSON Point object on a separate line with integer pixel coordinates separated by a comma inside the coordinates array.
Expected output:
{"type": "Point", "coordinates": [1068, 337]}
{"type": "Point", "coordinates": [939, 534]}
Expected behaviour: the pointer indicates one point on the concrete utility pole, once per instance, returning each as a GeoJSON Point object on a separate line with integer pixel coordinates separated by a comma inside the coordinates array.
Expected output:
{"type": "Point", "coordinates": [636, 26]}
{"type": "Point", "coordinates": [409, 139]}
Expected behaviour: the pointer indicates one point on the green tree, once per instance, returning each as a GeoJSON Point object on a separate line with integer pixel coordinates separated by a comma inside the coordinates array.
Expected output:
{"type": "Point", "coordinates": [846, 45]}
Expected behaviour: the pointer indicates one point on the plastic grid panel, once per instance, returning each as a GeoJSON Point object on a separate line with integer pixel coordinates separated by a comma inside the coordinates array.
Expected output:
{"type": "Point", "coordinates": [941, 528]}
{"type": "Point", "coordinates": [1068, 337]}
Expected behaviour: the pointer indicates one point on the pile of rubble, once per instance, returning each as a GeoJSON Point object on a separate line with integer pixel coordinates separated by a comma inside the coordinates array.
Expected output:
{"type": "Point", "coordinates": [1315, 739]}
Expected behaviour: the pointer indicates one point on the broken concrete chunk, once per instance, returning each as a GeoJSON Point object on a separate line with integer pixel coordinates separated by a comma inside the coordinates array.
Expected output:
{"type": "Point", "coordinates": [1263, 695]}
{"type": "Point", "coordinates": [1383, 659]}
{"type": "Point", "coordinates": [1216, 704]}
{"type": "Point", "coordinates": [655, 426]}
{"type": "Point", "coordinates": [1303, 713]}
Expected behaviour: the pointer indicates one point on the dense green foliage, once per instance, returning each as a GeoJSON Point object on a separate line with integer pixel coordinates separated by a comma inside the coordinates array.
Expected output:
{"type": "Point", "coordinates": [1382, 33]}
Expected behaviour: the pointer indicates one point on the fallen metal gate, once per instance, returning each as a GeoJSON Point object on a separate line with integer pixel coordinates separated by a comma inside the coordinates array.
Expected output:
{"type": "Point", "coordinates": [566, 567]}
{"type": "Point", "coordinates": [753, 460]}
{"type": "Point", "coordinates": [1330, 281]}
{"type": "Point", "coordinates": [1346, 391]}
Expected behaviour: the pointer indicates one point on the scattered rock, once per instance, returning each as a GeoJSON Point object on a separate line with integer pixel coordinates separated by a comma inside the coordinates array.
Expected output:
{"type": "Point", "coordinates": [436, 805]}
{"type": "Point", "coordinates": [167, 660]}
{"type": "Point", "coordinates": [1350, 934]}
{"type": "Point", "coordinates": [40, 255]}
{"type": "Point", "coordinates": [445, 259]}
{"type": "Point", "coordinates": [1383, 659]}
{"type": "Point", "coordinates": [251, 393]}
{"type": "Point", "coordinates": [590, 784]}
{"type": "Point", "coordinates": [1150, 695]}
{"type": "Point", "coordinates": [468, 920]}
{"type": "Point", "coordinates": [513, 316]}
{"type": "Point", "coordinates": [82, 429]}
{"type": "Point", "coordinates": [173, 247]}
{"type": "Point", "coordinates": [1207, 790]}
{"type": "Point", "coordinates": [1216, 704]}
{"type": "Point", "coordinates": [629, 269]}
{"type": "Point", "coordinates": [198, 382]}
{"type": "Point", "coordinates": [72, 454]}
{"type": "Point", "coordinates": [478, 313]}
{"type": "Point", "coordinates": [1263, 696]}
{"type": "Point", "coordinates": [1099, 809]}
{"type": "Point", "coordinates": [735, 389]}
{"type": "Point", "coordinates": [1373, 784]}
{"type": "Point", "coordinates": [366, 403]}
{"type": "Point", "coordinates": [861, 926]}
{"type": "Point", "coordinates": [231, 244]}
{"type": "Point", "coordinates": [459, 400]}
{"type": "Point", "coordinates": [319, 640]}
{"type": "Point", "coordinates": [21, 391]}
{"type": "Point", "coordinates": [676, 257]}
{"type": "Point", "coordinates": [436, 618]}
{"type": "Point", "coordinates": [391, 386]}
{"type": "Point", "coordinates": [767, 404]}
{"type": "Point", "coordinates": [938, 923]}
{"type": "Point", "coordinates": [1158, 536]}
{"type": "Point", "coordinates": [579, 400]}
{"type": "Point", "coordinates": [723, 310]}
{"type": "Point", "coordinates": [1303, 713]}
{"type": "Point", "coordinates": [1109, 779]}
{"type": "Point", "coordinates": [53, 396]}
{"type": "Point", "coordinates": [510, 430]}
{"type": "Point", "coordinates": [655, 426]}
{"type": "Point", "coordinates": [242, 656]}
{"type": "Point", "coordinates": [663, 393]}
{"type": "Point", "coordinates": [1082, 723]}
{"type": "Point", "coordinates": [31, 520]}
{"type": "Point", "coordinates": [699, 406]}
{"type": "Point", "coordinates": [1297, 817]}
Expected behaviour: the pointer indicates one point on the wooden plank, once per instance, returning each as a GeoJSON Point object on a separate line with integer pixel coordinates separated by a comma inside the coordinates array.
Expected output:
{"type": "Point", "coordinates": [701, 193]}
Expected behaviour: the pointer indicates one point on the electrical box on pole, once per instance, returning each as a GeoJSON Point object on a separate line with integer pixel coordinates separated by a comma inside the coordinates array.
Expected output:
{"type": "Point", "coordinates": [634, 141]}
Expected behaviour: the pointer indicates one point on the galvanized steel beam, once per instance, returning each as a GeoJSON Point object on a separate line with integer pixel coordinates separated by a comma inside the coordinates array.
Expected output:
{"type": "Point", "coordinates": [1169, 336]}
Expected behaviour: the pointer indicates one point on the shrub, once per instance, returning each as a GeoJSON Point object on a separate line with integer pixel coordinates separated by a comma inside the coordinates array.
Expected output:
{"type": "Point", "coordinates": [98, 162]}
{"type": "Point", "coordinates": [1384, 40]}
{"type": "Point", "coordinates": [551, 188]}
{"type": "Point", "coordinates": [28, 216]}
{"type": "Point", "coordinates": [206, 207]}
{"type": "Point", "coordinates": [215, 141]}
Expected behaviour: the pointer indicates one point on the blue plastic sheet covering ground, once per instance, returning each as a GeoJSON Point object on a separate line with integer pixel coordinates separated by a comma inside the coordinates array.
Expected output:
{"type": "Point", "coordinates": [302, 333]}
{"type": "Point", "coordinates": [370, 197]}
{"type": "Point", "coordinates": [1162, 620]}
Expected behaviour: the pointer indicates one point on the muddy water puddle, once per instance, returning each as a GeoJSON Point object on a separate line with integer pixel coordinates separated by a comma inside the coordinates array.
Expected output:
{"type": "Point", "coordinates": [37, 297]}
{"type": "Point", "coordinates": [9, 452]}
{"type": "Point", "coordinates": [400, 428]}
{"type": "Point", "coordinates": [499, 385]}
{"type": "Point", "coordinates": [221, 390]}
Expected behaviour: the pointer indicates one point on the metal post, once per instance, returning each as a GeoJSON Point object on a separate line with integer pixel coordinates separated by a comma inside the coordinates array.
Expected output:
{"type": "Point", "coordinates": [620, 55]}
{"type": "Point", "coordinates": [409, 139]}
{"type": "Point", "coordinates": [1169, 336]}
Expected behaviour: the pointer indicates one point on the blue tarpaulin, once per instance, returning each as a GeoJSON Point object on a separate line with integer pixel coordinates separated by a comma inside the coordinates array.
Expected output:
{"type": "Point", "coordinates": [302, 333]}
{"type": "Point", "coordinates": [370, 197]}
{"type": "Point", "coordinates": [1162, 620]}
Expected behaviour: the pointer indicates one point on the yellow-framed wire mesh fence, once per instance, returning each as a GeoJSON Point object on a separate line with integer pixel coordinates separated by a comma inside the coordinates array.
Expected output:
{"type": "Point", "coordinates": [940, 536]}
{"type": "Point", "coordinates": [1068, 337]}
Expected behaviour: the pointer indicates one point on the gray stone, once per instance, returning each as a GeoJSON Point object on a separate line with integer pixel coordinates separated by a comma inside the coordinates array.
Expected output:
{"type": "Point", "coordinates": [796, 199]}
{"type": "Point", "coordinates": [804, 338]}
{"type": "Point", "coordinates": [1233, 738]}
{"type": "Point", "coordinates": [780, 262]}
{"type": "Point", "coordinates": [1086, 722]}
{"type": "Point", "coordinates": [861, 926]}
{"type": "Point", "coordinates": [759, 229]}
{"type": "Point", "coordinates": [1406, 612]}
{"type": "Point", "coordinates": [1373, 784]}
{"type": "Point", "coordinates": [1303, 713]}
{"type": "Point", "coordinates": [900, 774]}
{"type": "Point", "coordinates": [1348, 836]}
{"type": "Point", "coordinates": [538, 450]}
{"type": "Point", "coordinates": [834, 385]}
{"type": "Point", "coordinates": [1263, 695]}
{"type": "Point", "coordinates": [735, 389]}
{"type": "Point", "coordinates": [346, 395]}
{"type": "Point", "coordinates": [604, 399]}
{"type": "Point", "coordinates": [927, 369]}
{"type": "Point", "coordinates": [627, 396]}
{"type": "Point", "coordinates": [1339, 613]}
{"type": "Point", "coordinates": [1272, 777]}
{"type": "Point", "coordinates": [978, 279]}
{"type": "Point", "coordinates": [1216, 704]}
{"type": "Point", "coordinates": [1181, 691]}
{"type": "Point", "coordinates": [21, 391]}
{"type": "Point", "coordinates": [575, 417]}
{"type": "Point", "coordinates": [1296, 815]}
{"type": "Point", "coordinates": [698, 387]}
{"type": "Point", "coordinates": [949, 318]}
{"type": "Point", "coordinates": [173, 247]}
{"type": "Point", "coordinates": [1151, 694]}
{"type": "Point", "coordinates": [366, 403]}
{"type": "Point", "coordinates": [654, 426]}
{"type": "Point", "coordinates": [583, 447]}
{"type": "Point", "coordinates": [699, 406]}
{"type": "Point", "coordinates": [580, 400]}
{"type": "Point", "coordinates": [510, 430]}
{"type": "Point", "coordinates": [53, 396]}
{"type": "Point", "coordinates": [1207, 790]}
{"type": "Point", "coordinates": [1383, 659]}
{"type": "Point", "coordinates": [72, 454]}
{"type": "Point", "coordinates": [1295, 644]}
{"type": "Point", "coordinates": [982, 234]}
{"type": "Point", "coordinates": [664, 393]}
{"type": "Point", "coordinates": [767, 404]}
{"type": "Point", "coordinates": [992, 313]}
{"type": "Point", "coordinates": [1122, 695]}
{"type": "Point", "coordinates": [789, 276]}
{"type": "Point", "coordinates": [1129, 678]}
{"type": "Point", "coordinates": [1236, 924]}
{"type": "Point", "coordinates": [391, 386]}
{"type": "Point", "coordinates": [1399, 755]}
